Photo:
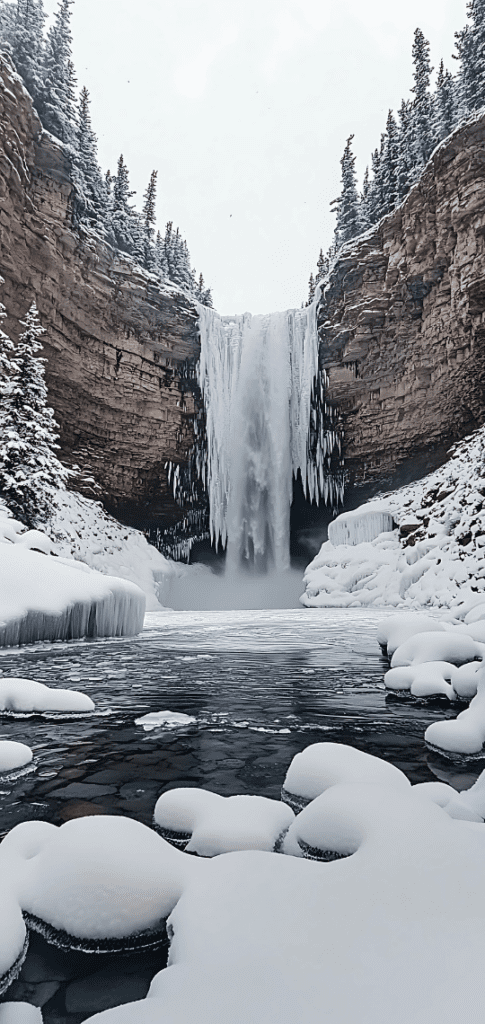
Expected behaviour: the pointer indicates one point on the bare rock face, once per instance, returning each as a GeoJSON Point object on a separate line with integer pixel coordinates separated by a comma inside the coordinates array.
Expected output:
{"type": "Point", "coordinates": [403, 320]}
{"type": "Point", "coordinates": [117, 345]}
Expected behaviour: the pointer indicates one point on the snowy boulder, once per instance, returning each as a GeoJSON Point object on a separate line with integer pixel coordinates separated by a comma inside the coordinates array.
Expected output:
{"type": "Point", "coordinates": [26, 695]}
{"type": "Point", "coordinates": [20, 1013]}
{"type": "Point", "coordinates": [451, 646]}
{"type": "Point", "coordinates": [42, 599]}
{"type": "Point", "coordinates": [359, 527]}
{"type": "Point", "coordinates": [36, 540]}
{"type": "Point", "coordinates": [464, 679]}
{"type": "Point", "coordinates": [426, 680]}
{"type": "Point", "coordinates": [13, 937]}
{"type": "Point", "coordinates": [447, 798]}
{"type": "Point", "coordinates": [394, 631]}
{"type": "Point", "coordinates": [14, 755]}
{"type": "Point", "coordinates": [102, 882]}
{"type": "Point", "coordinates": [209, 827]}
{"type": "Point", "coordinates": [165, 720]}
{"type": "Point", "coordinates": [466, 733]}
{"type": "Point", "coordinates": [323, 765]}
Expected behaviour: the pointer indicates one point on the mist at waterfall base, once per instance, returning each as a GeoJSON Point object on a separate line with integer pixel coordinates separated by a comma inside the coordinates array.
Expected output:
{"type": "Point", "coordinates": [264, 400]}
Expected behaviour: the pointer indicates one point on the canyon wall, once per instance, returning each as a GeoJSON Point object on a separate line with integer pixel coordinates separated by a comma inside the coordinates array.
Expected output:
{"type": "Point", "coordinates": [116, 343]}
{"type": "Point", "coordinates": [402, 322]}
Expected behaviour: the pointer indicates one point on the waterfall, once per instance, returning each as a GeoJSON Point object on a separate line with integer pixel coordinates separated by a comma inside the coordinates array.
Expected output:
{"type": "Point", "coordinates": [266, 419]}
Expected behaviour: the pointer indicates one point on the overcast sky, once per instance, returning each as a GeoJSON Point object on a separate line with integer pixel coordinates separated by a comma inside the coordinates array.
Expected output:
{"type": "Point", "coordinates": [244, 107]}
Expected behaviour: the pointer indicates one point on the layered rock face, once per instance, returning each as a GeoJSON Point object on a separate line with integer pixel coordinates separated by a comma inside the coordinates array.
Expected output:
{"type": "Point", "coordinates": [403, 321]}
{"type": "Point", "coordinates": [117, 346]}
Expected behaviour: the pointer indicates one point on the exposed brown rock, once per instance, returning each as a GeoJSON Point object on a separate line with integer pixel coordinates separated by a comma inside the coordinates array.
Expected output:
{"type": "Point", "coordinates": [403, 321]}
{"type": "Point", "coordinates": [114, 341]}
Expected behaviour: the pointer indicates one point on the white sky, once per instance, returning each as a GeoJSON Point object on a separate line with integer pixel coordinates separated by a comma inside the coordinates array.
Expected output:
{"type": "Point", "coordinates": [244, 107]}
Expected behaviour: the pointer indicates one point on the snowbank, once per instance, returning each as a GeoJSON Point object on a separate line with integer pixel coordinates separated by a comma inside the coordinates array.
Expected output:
{"type": "Point", "coordinates": [45, 598]}
{"type": "Point", "coordinates": [466, 733]}
{"type": "Point", "coordinates": [14, 755]}
{"type": "Point", "coordinates": [26, 695]}
{"type": "Point", "coordinates": [207, 824]}
{"type": "Point", "coordinates": [436, 558]}
{"type": "Point", "coordinates": [323, 765]}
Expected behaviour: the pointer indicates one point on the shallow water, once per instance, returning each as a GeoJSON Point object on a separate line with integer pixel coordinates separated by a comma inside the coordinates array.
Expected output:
{"type": "Point", "coordinates": [261, 685]}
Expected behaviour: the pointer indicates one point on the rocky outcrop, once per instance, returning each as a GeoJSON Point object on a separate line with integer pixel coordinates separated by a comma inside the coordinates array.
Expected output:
{"type": "Point", "coordinates": [403, 321]}
{"type": "Point", "coordinates": [117, 345]}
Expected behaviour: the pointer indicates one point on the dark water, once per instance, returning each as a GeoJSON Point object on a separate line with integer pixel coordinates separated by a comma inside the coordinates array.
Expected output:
{"type": "Point", "coordinates": [261, 686]}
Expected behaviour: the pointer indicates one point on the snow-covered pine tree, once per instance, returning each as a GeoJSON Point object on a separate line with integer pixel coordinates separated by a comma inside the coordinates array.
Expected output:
{"type": "Point", "coordinates": [374, 205]}
{"type": "Point", "coordinates": [422, 108]}
{"type": "Point", "coordinates": [311, 290]}
{"type": "Point", "coordinates": [22, 30]}
{"type": "Point", "coordinates": [148, 218]}
{"type": "Point", "coordinates": [322, 267]}
{"type": "Point", "coordinates": [58, 98]}
{"type": "Point", "coordinates": [8, 366]}
{"type": "Point", "coordinates": [120, 222]}
{"type": "Point", "coordinates": [202, 293]}
{"type": "Point", "coordinates": [364, 201]}
{"type": "Point", "coordinates": [347, 204]}
{"type": "Point", "coordinates": [389, 166]}
{"type": "Point", "coordinates": [161, 265]}
{"type": "Point", "coordinates": [444, 104]}
{"type": "Point", "coordinates": [470, 44]}
{"type": "Point", "coordinates": [405, 172]}
{"type": "Point", "coordinates": [90, 182]}
{"type": "Point", "coordinates": [30, 472]}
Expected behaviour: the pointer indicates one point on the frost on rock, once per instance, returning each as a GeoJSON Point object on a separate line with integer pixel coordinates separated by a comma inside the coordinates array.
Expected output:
{"type": "Point", "coordinates": [165, 720]}
{"type": "Point", "coordinates": [14, 755]}
{"type": "Point", "coordinates": [266, 421]}
{"type": "Point", "coordinates": [208, 824]}
{"type": "Point", "coordinates": [437, 558]}
{"type": "Point", "coordinates": [26, 695]}
{"type": "Point", "coordinates": [100, 882]}
{"type": "Point", "coordinates": [43, 599]}
{"type": "Point", "coordinates": [359, 527]}
{"type": "Point", "coordinates": [323, 765]}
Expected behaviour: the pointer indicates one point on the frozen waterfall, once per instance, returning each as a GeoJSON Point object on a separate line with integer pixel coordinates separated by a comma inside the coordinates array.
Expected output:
{"type": "Point", "coordinates": [266, 419]}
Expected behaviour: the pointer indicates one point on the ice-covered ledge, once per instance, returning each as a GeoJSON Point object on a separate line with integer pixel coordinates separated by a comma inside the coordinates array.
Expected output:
{"type": "Point", "coordinates": [360, 526]}
{"type": "Point", "coordinates": [47, 598]}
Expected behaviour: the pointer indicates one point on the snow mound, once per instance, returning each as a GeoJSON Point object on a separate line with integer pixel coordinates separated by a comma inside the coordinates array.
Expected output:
{"type": "Point", "coordinates": [464, 679]}
{"type": "Point", "coordinates": [323, 765]}
{"type": "Point", "coordinates": [43, 599]}
{"type": "Point", "coordinates": [164, 720]}
{"type": "Point", "coordinates": [435, 559]}
{"type": "Point", "coordinates": [208, 824]}
{"type": "Point", "coordinates": [359, 527]}
{"type": "Point", "coordinates": [101, 880]}
{"type": "Point", "coordinates": [466, 733]}
{"type": "Point", "coordinates": [451, 646]}
{"type": "Point", "coordinates": [27, 695]}
{"type": "Point", "coordinates": [394, 631]}
{"type": "Point", "coordinates": [14, 755]}
{"type": "Point", "coordinates": [425, 680]}
{"type": "Point", "coordinates": [20, 1013]}
{"type": "Point", "coordinates": [13, 938]}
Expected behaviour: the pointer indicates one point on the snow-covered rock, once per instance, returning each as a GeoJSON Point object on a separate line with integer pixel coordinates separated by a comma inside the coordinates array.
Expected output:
{"type": "Point", "coordinates": [208, 824]}
{"type": "Point", "coordinates": [359, 526]}
{"type": "Point", "coordinates": [43, 599]}
{"type": "Point", "coordinates": [13, 936]}
{"type": "Point", "coordinates": [424, 680]}
{"type": "Point", "coordinates": [24, 695]}
{"type": "Point", "coordinates": [450, 646]}
{"type": "Point", "coordinates": [323, 765]}
{"type": "Point", "coordinates": [165, 720]}
{"type": "Point", "coordinates": [396, 629]}
{"type": "Point", "coordinates": [466, 733]}
{"type": "Point", "coordinates": [14, 755]}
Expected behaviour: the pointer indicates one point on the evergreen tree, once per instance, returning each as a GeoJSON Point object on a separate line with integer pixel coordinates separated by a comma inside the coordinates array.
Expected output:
{"type": "Point", "coordinates": [405, 171]}
{"type": "Point", "coordinates": [389, 166]}
{"type": "Point", "coordinates": [347, 204]}
{"type": "Point", "coordinates": [202, 294]}
{"type": "Point", "coordinates": [90, 182]}
{"type": "Point", "coordinates": [444, 104]}
{"type": "Point", "coordinates": [311, 290]}
{"type": "Point", "coordinates": [30, 472]}
{"type": "Point", "coordinates": [322, 267]}
{"type": "Point", "coordinates": [120, 221]}
{"type": "Point", "coordinates": [58, 99]}
{"type": "Point", "coordinates": [161, 265]}
{"type": "Point", "coordinates": [7, 358]}
{"type": "Point", "coordinates": [365, 213]}
{"type": "Point", "coordinates": [470, 44]}
{"type": "Point", "coordinates": [148, 217]}
{"type": "Point", "coordinates": [22, 29]}
{"type": "Point", "coordinates": [422, 109]}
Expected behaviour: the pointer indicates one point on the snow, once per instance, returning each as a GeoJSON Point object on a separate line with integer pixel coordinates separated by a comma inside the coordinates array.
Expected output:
{"type": "Point", "coordinates": [27, 695]}
{"type": "Point", "coordinates": [452, 646]}
{"type": "Point", "coordinates": [102, 877]}
{"type": "Point", "coordinates": [323, 765]}
{"type": "Point", "coordinates": [13, 936]}
{"type": "Point", "coordinates": [391, 933]}
{"type": "Point", "coordinates": [14, 755]}
{"type": "Point", "coordinates": [396, 629]}
{"type": "Point", "coordinates": [164, 720]}
{"type": "Point", "coordinates": [358, 527]}
{"type": "Point", "coordinates": [441, 563]}
{"type": "Point", "coordinates": [424, 680]}
{"type": "Point", "coordinates": [19, 1013]}
{"type": "Point", "coordinates": [214, 824]}
{"type": "Point", "coordinates": [42, 598]}
{"type": "Point", "coordinates": [466, 733]}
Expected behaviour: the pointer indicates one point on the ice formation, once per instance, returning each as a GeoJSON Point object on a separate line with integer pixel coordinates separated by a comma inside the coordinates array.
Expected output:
{"type": "Point", "coordinates": [164, 720]}
{"type": "Point", "coordinates": [14, 755]}
{"type": "Point", "coordinates": [24, 695]}
{"type": "Point", "coordinates": [323, 765]}
{"type": "Point", "coordinates": [359, 526]}
{"type": "Point", "coordinates": [266, 420]}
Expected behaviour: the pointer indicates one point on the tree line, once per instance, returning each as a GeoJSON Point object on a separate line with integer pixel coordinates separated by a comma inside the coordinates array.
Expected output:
{"type": "Point", "coordinates": [422, 122]}
{"type": "Point", "coordinates": [102, 202]}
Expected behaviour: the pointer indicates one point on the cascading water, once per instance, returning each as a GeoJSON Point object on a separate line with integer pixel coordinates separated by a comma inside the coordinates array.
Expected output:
{"type": "Point", "coordinates": [266, 420]}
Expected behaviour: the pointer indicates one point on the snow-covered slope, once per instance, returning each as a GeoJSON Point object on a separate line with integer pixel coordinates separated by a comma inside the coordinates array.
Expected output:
{"type": "Point", "coordinates": [436, 557]}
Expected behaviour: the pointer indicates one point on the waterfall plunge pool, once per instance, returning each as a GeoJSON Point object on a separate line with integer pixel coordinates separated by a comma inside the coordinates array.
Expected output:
{"type": "Point", "coordinates": [261, 685]}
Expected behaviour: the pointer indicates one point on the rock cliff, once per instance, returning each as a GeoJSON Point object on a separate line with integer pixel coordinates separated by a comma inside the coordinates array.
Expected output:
{"type": "Point", "coordinates": [402, 321]}
{"type": "Point", "coordinates": [117, 345]}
